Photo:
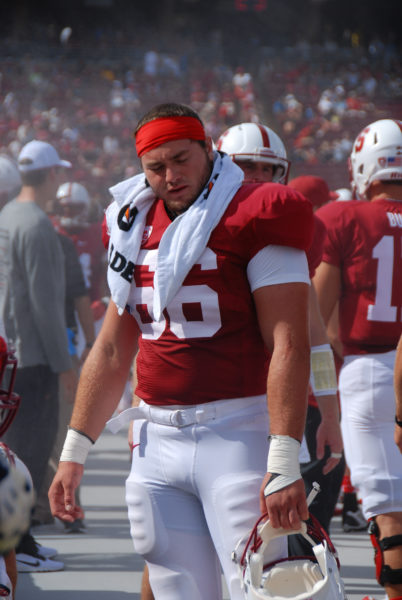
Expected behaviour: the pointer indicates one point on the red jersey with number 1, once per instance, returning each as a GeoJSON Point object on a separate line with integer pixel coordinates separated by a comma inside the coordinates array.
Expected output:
{"type": "Point", "coordinates": [208, 345]}
{"type": "Point", "coordinates": [364, 241]}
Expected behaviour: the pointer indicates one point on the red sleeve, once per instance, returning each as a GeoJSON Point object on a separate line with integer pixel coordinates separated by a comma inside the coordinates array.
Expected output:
{"type": "Point", "coordinates": [274, 214]}
{"type": "Point", "coordinates": [335, 216]}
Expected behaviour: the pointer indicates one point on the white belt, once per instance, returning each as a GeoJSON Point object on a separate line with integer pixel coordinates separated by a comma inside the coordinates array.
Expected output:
{"type": "Point", "coordinates": [180, 416]}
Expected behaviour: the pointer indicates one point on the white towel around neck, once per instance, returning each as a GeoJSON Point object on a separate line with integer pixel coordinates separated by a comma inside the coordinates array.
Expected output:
{"type": "Point", "coordinates": [183, 241]}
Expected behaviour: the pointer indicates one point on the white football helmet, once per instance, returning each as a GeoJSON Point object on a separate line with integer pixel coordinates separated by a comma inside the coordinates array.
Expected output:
{"type": "Point", "coordinates": [376, 154]}
{"type": "Point", "coordinates": [296, 578]}
{"type": "Point", "coordinates": [16, 499]}
{"type": "Point", "coordinates": [73, 204]}
{"type": "Point", "coordinates": [343, 195]}
{"type": "Point", "coordinates": [251, 141]}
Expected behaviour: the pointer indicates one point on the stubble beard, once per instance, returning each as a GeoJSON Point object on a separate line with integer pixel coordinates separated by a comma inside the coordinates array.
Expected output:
{"type": "Point", "coordinates": [175, 212]}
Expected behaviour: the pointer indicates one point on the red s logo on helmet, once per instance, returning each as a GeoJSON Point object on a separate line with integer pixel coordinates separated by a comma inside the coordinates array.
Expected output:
{"type": "Point", "coordinates": [360, 140]}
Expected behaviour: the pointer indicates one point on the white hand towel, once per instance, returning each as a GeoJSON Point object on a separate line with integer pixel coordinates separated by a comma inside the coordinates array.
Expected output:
{"type": "Point", "coordinates": [184, 240]}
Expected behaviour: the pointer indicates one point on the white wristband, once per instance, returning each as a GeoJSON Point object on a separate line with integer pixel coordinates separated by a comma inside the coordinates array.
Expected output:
{"type": "Point", "coordinates": [76, 447]}
{"type": "Point", "coordinates": [323, 374]}
{"type": "Point", "coordinates": [283, 462]}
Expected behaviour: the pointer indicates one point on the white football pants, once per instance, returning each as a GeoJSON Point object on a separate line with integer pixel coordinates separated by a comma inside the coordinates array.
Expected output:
{"type": "Point", "coordinates": [193, 493]}
{"type": "Point", "coordinates": [367, 419]}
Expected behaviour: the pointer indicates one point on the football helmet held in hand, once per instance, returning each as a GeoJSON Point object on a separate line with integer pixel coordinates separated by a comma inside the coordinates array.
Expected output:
{"type": "Point", "coordinates": [296, 578]}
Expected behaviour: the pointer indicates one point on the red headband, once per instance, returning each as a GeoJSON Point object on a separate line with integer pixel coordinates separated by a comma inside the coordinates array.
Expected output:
{"type": "Point", "coordinates": [162, 130]}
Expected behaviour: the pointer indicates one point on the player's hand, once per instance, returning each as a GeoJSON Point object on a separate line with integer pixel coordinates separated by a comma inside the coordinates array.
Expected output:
{"type": "Point", "coordinates": [329, 434]}
{"type": "Point", "coordinates": [286, 508]}
{"type": "Point", "coordinates": [62, 492]}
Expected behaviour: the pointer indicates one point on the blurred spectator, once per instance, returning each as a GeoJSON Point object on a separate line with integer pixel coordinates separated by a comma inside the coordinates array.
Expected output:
{"type": "Point", "coordinates": [32, 306]}
{"type": "Point", "coordinates": [86, 110]}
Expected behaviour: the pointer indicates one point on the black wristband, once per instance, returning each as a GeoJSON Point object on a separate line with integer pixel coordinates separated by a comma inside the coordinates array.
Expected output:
{"type": "Point", "coordinates": [82, 433]}
{"type": "Point", "coordinates": [399, 423]}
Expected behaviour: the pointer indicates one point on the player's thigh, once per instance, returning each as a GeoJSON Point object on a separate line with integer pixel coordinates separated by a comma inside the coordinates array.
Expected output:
{"type": "Point", "coordinates": [168, 525]}
{"type": "Point", "coordinates": [168, 529]}
{"type": "Point", "coordinates": [368, 407]}
{"type": "Point", "coordinates": [231, 465]}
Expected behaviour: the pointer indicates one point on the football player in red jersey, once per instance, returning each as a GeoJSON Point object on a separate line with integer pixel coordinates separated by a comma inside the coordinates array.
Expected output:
{"type": "Point", "coordinates": [73, 206]}
{"type": "Point", "coordinates": [210, 276]}
{"type": "Point", "coordinates": [361, 269]}
{"type": "Point", "coordinates": [261, 154]}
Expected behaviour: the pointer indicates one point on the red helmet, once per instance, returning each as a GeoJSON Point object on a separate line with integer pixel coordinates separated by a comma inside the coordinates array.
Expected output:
{"type": "Point", "coordinates": [9, 401]}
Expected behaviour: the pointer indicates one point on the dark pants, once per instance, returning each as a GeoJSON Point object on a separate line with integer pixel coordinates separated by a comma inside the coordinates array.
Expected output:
{"type": "Point", "coordinates": [323, 505]}
{"type": "Point", "coordinates": [33, 432]}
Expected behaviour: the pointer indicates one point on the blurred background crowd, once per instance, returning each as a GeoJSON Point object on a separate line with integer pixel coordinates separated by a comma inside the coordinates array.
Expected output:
{"type": "Point", "coordinates": [80, 74]}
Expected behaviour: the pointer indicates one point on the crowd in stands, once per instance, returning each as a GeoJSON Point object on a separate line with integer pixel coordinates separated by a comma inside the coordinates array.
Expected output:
{"type": "Point", "coordinates": [86, 102]}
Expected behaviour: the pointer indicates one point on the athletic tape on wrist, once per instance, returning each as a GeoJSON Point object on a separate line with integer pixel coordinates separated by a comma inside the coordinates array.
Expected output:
{"type": "Point", "coordinates": [76, 447]}
{"type": "Point", "coordinates": [283, 463]}
{"type": "Point", "coordinates": [323, 373]}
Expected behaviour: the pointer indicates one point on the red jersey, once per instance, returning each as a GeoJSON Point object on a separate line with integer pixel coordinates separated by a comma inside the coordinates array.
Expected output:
{"type": "Point", "coordinates": [208, 344]}
{"type": "Point", "coordinates": [91, 252]}
{"type": "Point", "coordinates": [364, 241]}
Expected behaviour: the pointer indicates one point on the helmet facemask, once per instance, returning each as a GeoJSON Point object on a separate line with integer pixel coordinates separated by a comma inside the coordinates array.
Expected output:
{"type": "Point", "coordinates": [9, 401]}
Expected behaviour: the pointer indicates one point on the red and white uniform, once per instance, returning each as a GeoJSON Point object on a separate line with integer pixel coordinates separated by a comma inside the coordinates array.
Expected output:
{"type": "Point", "coordinates": [200, 456]}
{"type": "Point", "coordinates": [91, 252]}
{"type": "Point", "coordinates": [364, 241]}
{"type": "Point", "coordinates": [208, 346]}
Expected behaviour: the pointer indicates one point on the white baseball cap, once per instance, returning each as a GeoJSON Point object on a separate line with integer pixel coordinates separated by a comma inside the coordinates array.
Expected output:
{"type": "Point", "coordinates": [39, 155]}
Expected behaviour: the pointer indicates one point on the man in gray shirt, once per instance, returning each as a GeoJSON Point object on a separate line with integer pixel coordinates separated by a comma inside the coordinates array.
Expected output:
{"type": "Point", "coordinates": [32, 305]}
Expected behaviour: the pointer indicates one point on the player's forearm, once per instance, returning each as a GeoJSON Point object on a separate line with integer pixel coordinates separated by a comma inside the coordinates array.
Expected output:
{"type": "Point", "coordinates": [318, 333]}
{"type": "Point", "coordinates": [327, 284]}
{"type": "Point", "coordinates": [100, 387]}
{"type": "Point", "coordinates": [287, 390]}
{"type": "Point", "coordinates": [328, 407]}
